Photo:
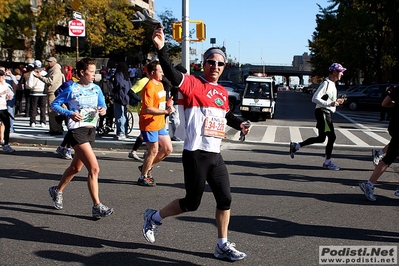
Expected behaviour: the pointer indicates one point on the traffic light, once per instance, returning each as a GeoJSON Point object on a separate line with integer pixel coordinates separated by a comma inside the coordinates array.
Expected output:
{"type": "Point", "coordinates": [201, 31]}
{"type": "Point", "coordinates": [177, 31]}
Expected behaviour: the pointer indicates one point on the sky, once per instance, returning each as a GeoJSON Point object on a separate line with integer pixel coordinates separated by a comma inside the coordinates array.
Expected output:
{"type": "Point", "coordinates": [270, 32]}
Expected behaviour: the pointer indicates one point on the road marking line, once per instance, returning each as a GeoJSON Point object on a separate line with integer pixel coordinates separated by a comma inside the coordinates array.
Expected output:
{"type": "Point", "coordinates": [295, 134]}
{"type": "Point", "coordinates": [353, 138]}
{"type": "Point", "coordinates": [377, 137]}
{"type": "Point", "coordinates": [270, 134]}
{"type": "Point", "coordinates": [316, 131]}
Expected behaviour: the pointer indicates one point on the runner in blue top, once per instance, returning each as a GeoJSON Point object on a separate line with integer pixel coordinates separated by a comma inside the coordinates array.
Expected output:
{"type": "Point", "coordinates": [86, 102]}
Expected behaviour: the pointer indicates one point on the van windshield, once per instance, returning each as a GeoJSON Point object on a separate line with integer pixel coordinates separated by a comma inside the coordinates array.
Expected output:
{"type": "Point", "coordinates": [257, 90]}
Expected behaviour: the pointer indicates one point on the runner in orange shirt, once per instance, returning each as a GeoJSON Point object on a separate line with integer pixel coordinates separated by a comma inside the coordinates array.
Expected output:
{"type": "Point", "coordinates": [152, 123]}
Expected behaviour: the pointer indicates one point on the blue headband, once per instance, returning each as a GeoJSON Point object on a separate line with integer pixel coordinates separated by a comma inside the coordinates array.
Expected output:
{"type": "Point", "coordinates": [214, 51]}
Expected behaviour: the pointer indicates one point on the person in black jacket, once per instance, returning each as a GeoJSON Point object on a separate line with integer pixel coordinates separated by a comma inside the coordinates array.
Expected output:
{"type": "Point", "coordinates": [120, 97]}
{"type": "Point", "coordinates": [106, 87]}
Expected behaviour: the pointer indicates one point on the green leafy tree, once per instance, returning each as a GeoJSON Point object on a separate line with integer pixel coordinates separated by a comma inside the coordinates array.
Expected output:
{"type": "Point", "coordinates": [108, 26]}
{"type": "Point", "coordinates": [359, 34]}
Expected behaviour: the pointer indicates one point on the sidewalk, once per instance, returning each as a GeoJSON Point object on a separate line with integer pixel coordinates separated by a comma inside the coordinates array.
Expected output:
{"type": "Point", "coordinates": [24, 134]}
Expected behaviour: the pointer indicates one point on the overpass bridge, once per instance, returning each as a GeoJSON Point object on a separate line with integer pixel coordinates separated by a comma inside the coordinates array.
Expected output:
{"type": "Point", "coordinates": [238, 74]}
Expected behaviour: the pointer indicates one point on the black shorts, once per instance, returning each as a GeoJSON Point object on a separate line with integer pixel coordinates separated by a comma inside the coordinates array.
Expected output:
{"type": "Point", "coordinates": [81, 135]}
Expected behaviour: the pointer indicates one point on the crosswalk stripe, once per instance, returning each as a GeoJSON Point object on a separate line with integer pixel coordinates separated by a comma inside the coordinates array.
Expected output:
{"type": "Point", "coordinates": [353, 138]}
{"type": "Point", "coordinates": [316, 131]}
{"type": "Point", "coordinates": [270, 134]}
{"type": "Point", "coordinates": [295, 134]}
{"type": "Point", "coordinates": [375, 136]}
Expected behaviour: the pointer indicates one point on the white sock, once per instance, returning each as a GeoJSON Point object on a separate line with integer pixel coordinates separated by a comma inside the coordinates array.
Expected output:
{"type": "Point", "coordinates": [157, 217]}
{"type": "Point", "coordinates": [327, 161]}
{"type": "Point", "coordinates": [370, 184]}
{"type": "Point", "coordinates": [297, 146]}
{"type": "Point", "coordinates": [221, 241]}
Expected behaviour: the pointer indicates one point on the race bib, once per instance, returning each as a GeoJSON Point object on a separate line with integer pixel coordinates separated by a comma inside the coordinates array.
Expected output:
{"type": "Point", "coordinates": [89, 116]}
{"type": "Point", "coordinates": [215, 126]}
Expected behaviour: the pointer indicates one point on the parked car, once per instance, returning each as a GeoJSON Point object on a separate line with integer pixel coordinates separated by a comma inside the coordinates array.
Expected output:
{"type": "Point", "coordinates": [234, 98]}
{"type": "Point", "coordinates": [233, 85]}
{"type": "Point", "coordinates": [368, 97]}
{"type": "Point", "coordinates": [356, 88]}
{"type": "Point", "coordinates": [299, 87]}
{"type": "Point", "coordinates": [311, 88]}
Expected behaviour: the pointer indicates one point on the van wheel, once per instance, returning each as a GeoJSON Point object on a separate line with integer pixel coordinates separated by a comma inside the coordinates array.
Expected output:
{"type": "Point", "coordinates": [353, 106]}
{"type": "Point", "coordinates": [232, 105]}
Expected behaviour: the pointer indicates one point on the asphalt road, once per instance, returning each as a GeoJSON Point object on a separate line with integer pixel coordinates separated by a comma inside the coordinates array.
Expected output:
{"type": "Point", "coordinates": [283, 209]}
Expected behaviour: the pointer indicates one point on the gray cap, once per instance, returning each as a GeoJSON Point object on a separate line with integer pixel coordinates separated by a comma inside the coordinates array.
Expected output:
{"type": "Point", "coordinates": [51, 59]}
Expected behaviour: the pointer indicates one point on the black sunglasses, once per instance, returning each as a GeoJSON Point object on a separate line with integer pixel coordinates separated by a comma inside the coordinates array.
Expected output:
{"type": "Point", "coordinates": [213, 62]}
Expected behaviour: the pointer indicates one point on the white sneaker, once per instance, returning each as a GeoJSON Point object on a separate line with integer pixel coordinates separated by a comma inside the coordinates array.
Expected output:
{"type": "Point", "coordinates": [368, 191]}
{"type": "Point", "coordinates": [229, 251]}
{"type": "Point", "coordinates": [43, 125]}
{"type": "Point", "coordinates": [331, 166]}
{"type": "Point", "coordinates": [33, 125]}
{"type": "Point", "coordinates": [377, 156]}
{"type": "Point", "coordinates": [150, 227]}
{"type": "Point", "coordinates": [68, 154]}
{"type": "Point", "coordinates": [134, 155]}
{"type": "Point", "coordinates": [8, 149]}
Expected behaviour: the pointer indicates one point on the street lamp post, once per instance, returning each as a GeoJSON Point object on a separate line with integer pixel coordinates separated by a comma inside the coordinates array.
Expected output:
{"type": "Point", "coordinates": [261, 59]}
{"type": "Point", "coordinates": [239, 50]}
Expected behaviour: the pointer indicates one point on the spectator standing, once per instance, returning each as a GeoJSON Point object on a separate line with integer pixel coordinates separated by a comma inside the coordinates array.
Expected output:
{"type": "Point", "coordinates": [132, 73]}
{"type": "Point", "coordinates": [27, 90]}
{"type": "Point", "coordinates": [106, 88]}
{"type": "Point", "coordinates": [38, 96]}
{"type": "Point", "coordinates": [86, 102]}
{"type": "Point", "coordinates": [53, 81]}
{"type": "Point", "coordinates": [12, 80]}
{"type": "Point", "coordinates": [204, 99]}
{"type": "Point", "coordinates": [68, 72]}
{"type": "Point", "coordinates": [19, 94]}
{"type": "Point", "coordinates": [6, 94]}
{"type": "Point", "coordinates": [326, 102]}
{"type": "Point", "coordinates": [120, 97]}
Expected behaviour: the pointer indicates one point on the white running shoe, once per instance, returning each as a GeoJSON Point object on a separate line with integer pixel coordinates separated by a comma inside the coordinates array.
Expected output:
{"type": "Point", "coordinates": [331, 166]}
{"type": "Point", "coordinates": [101, 210]}
{"type": "Point", "coordinates": [56, 197]}
{"type": "Point", "coordinates": [229, 251]}
{"type": "Point", "coordinates": [368, 191]}
{"type": "Point", "coordinates": [377, 156]}
{"type": "Point", "coordinates": [150, 226]}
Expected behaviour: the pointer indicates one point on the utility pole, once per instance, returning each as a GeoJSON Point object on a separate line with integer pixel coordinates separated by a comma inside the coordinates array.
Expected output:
{"type": "Point", "coordinates": [185, 32]}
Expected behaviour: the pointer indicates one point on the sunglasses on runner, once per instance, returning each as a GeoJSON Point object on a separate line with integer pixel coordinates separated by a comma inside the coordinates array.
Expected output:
{"type": "Point", "coordinates": [213, 62]}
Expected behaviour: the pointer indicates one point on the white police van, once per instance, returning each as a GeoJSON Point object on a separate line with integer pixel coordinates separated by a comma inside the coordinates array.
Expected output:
{"type": "Point", "coordinates": [259, 98]}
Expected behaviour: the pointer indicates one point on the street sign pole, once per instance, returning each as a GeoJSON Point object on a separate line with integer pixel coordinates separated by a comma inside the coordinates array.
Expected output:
{"type": "Point", "coordinates": [77, 49]}
{"type": "Point", "coordinates": [77, 28]}
{"type": "Point", "coordinates": [186, 35]}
